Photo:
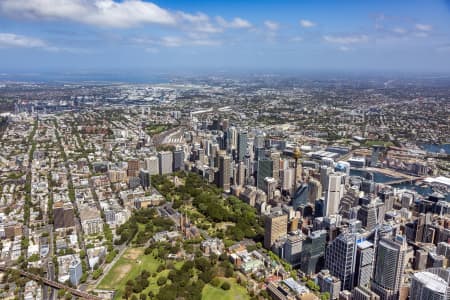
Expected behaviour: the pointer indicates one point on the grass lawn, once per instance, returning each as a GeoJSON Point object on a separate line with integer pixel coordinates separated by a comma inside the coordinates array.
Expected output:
{"type": "Point", "coordinates": [236, 292]}
{"type": "Point", "coordinates": [128, 267]}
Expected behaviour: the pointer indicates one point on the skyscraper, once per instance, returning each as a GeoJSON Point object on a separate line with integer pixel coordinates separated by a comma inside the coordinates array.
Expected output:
{"type": "Point", "coordinates": [165, 162]}
{"type": "Point", "coordinates": [275, 157]}
{"type": "Point", "coordinates": [178, 160]}
{"type": "Point", "coordinates": [145, 178]}
{"type": "Point", "coordinates": [389, 267]}
{"type": "Point", "coordinates": [241, 145]}
{"type": "Point", "coordinates": [364, 263]}
{"type": "Point", "coordinates": [340, 258]}
{"type": "Point", "coordinates": [432, 284]}
{"type": "Point", "coordinates": [275, 226]}
{"type": "Point", "coordinates": [224, 172]}
{"type": "Point", "coordinates": [265, 169]}
{"type": "Point", "coordinates": [333, 194]}
{"type": "Point", "coordinates": [151, 164]}
{"type": "Point", "coordinates": [314, 190]}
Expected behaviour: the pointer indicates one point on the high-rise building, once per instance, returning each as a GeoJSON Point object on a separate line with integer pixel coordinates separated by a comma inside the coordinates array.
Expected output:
{"type": "Point", "coordinates": [364, 263]}
{"type": "Point", "coordinates": [275, 226]}
{"type": "Point", "coordinates": [340, 258]}
{"type": "Point", "coordinates": [178, 160]}
{"type": "Point", "coordinates": [270, 186]}
{"type": "Point", "coordinates": [432, 284]}
{"type": "Point", "coordinates": [63, 215]}
{"type": "Point", "coordinates": [240, 180]}
{"type": "Point", "coordinates": [329, 283]}
{"type": "Point", "coordinates": [314, 190]}
{"type": "Point", "coordinates": [165, 162]}
{"type": "Point", "coordinates": [313, 252]}
{"type": "Point", "coordinates": [389, 267]}
{"type": "Point", "coordinates": [241, 145]}
{"type": "Point", "coordinates": [275, 157]}
{"type": "Point", "coordinates": [364, 293]}
{"type": "Point", "coordinates": [293, 249]}
{"type": "Point", "coordinates": [300, 197]}
{"type": "Point", "coordinates": [324, 173]}
{"type": "Point", "coordinates": [75, 271]}
{"type": "Point", "coordinates": [265, 169]}
{"type": "Point", "coordinates": [287, 179]}
{"type": "Point", "coordinates": [133, 168]}
{"type": "Point", "coordinates": [151, 164]}
{"type": "Point", "coordinates": [145, 178]}
{"type": "Point", "coordinates": [334, 193]}
{"type": "Point", "coordinates": [224, 172]}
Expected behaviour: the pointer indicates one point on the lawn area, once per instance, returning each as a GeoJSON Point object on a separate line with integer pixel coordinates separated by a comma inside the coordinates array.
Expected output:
{"type": "Point", "coordinates": [128, 267]}
{"type": "Point", "coordinates": [157, 128]}
{"type": "Point", "coordinates": [236, 292]}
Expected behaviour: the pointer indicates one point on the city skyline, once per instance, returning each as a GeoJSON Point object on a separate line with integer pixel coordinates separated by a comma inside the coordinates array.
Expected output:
{"type": "Point", "coordinates": [103, 35]}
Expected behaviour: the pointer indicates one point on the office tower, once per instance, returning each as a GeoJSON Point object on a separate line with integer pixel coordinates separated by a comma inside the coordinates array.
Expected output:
{"type": "Point", "coordinates": [367, 214]}
{"type": "Point", "coordinates": [270, 185]}
{"type": "Point", "coordinates": [241, 145]}
{"type": "Point", "coordinates": [165, 162]}
{"type": "Point", "coordinates": [232, 136]}
{"type": "Point", "coordinates": [364, 263]}
{"type": "Point", "coordinates": [151, 164]}
{"type": "Point", "coordinates": [293, 249]}
{"type": "Point", "coordinates": [265, 169]}
{"type": "Point", "coordinates": [224, 172]}
{"type": "Point", "coordinates": [432, 284]}
{"type": "Point", "coordinates": [259, 141]}
{"type": "Point", "coordinates": [225, 124]}
{"type": "Point", "coordinates": [275, 157]}
{"type": "Point", "coordinates": [145, 178]}
{"type": "Point", "coordinates": [275, 226]}
{"type": "Point", "coordinates": [389, 267]}
{"type": "Point", "coordinates": [312, 257]}
{"type": "Point", "coordinates": [300, 197]}
{"type": "Point", "coordinates": [314, 190]}
{"type": "Point", "coordinates": [364, 293]}
{"type": "Point", "coordinates": [340, 258]}
{"type": "Point", "coordinates": [178, 160]}
{"type": "Point", "coordinates": [133, 168]}
{"type": "Point", "coordinates": [333, 194]}
{"type": "Point", "coordinates": [329, 283]}
{"type": "Point", "coordinates": [324, 173]}
{"type": "Point", "coordinates": [75, 271]}
{"type": "Point", "coordinates": [63, 215]}
{"type": "Point", "coordinates": [240, 180]}
{"type": "Point", "coordinates": [287, 179]}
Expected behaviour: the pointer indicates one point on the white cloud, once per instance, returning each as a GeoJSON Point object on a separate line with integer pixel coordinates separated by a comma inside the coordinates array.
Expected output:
{"type": "Point", "coordinates": [424, 27]}
{"type": "Point", "coordinates": [307, 23]}
{"type": "Point", "coordinates": [271, 25]}
{"type": "Point", "coordinates": [103, 13]}
{"type": "Point", "coordinates": [344, 48]}
{"type": "Point", "coordinates": [399, 30]}
{"type": "Point", "coordinates": [346, 39]}
{"type": "Point", "coordinates": [10, 40]}
{"type": "Point", "coordinates": [236, 23]}
{"type": "Point", "coordinates": [171, 41]}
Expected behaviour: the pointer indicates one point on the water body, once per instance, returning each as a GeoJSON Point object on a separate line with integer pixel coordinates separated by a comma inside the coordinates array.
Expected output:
{"type": "Point", "coordinates": [378, 177]}
{"type": "Point", "coordinates": [436, 148]}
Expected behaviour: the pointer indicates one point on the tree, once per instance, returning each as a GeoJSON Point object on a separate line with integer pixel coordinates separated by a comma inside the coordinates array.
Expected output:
{"type": "Point", "coordinates": [325, 296]}
{"type": "Point", "coordinates": [161, 280]}
{"type": "Point", "coordinates": [215, 282]}
{"type": "Point", "coordinates": [225, 286]}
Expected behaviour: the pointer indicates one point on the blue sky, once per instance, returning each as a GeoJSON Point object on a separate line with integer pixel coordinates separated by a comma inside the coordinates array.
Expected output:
{"type": "Point", "coordinates": [102, 35]}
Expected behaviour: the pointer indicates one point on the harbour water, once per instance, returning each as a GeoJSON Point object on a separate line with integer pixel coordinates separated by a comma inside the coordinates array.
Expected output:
{"type": "Point", "coordinates": [436, 148]}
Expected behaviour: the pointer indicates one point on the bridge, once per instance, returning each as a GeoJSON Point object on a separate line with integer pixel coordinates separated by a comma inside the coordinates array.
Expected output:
{"type": "Point", "coordinates": [404, 180]}
{"type": "Point", "coordinates": [52, 284]}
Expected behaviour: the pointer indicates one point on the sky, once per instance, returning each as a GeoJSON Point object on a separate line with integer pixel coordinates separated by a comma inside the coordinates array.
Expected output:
{"type": "Point", "coordinates": [224, 35]}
